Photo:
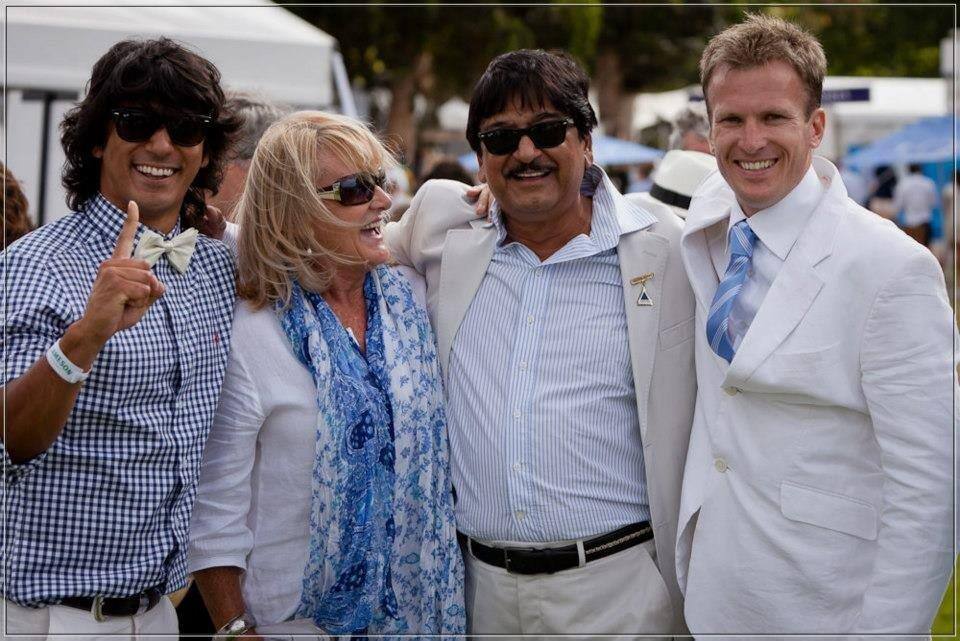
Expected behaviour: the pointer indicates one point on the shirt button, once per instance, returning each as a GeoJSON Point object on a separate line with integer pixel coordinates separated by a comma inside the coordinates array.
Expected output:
{"type": "Point", "coordinates": [538, 273]}
{"type": "Point", "coordinates": [516, 413]}
{"type": "Point", "coordinates": [516, 467]}
{"type": "Point", "coordinates": [520, 514]}
{"type": "Point", "coordinates": [732, 391]}
{"type": "Point", "coordinates": [523, 365]}
{"type": "Point", "coordinates": [721, 465]}
{"type": "Point", "coordinates": [530, 320]}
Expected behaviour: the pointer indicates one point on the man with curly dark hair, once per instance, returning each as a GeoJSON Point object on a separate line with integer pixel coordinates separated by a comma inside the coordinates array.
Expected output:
{"type": "Point", "coordinates": [114, 362]}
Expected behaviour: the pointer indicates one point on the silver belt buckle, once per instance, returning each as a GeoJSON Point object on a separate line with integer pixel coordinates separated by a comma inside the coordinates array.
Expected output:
{"type": "Point", "coordinates": [97, 609]}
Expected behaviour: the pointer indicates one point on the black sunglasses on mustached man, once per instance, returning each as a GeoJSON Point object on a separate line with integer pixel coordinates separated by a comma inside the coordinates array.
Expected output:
{"type": "Point", "coordinates": [543, 135]}
{"type": "Point", "coordinates": [138, 124]}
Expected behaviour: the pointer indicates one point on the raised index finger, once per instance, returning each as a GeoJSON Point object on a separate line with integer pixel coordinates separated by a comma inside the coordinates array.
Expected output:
{"type": "Point", "coordinates": [124, 246]}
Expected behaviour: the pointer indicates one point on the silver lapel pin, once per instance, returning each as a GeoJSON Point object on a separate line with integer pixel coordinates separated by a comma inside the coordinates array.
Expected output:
{"type": "Point", "coordinates": [643, 300]}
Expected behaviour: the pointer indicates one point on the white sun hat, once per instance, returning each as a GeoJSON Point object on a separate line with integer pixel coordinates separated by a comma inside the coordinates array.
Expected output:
{"type": "Point", "coordinates": [677, 176]}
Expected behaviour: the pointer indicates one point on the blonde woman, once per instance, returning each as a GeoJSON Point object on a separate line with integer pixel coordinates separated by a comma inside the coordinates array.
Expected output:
{"type": "Point", "coordinates": [324, 503]}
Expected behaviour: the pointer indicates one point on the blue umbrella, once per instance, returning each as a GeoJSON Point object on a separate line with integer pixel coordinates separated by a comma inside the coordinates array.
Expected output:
{"type": "Point", "coordinates": [607, 150]}
{"type": "Point", "coordinates": [929, 140]}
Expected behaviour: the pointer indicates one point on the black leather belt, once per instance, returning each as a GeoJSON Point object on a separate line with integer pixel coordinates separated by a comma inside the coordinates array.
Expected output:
{"type": "Point", "coordinates": [549, 560]}
{"type": "Point", "coordinates": [127, 606]}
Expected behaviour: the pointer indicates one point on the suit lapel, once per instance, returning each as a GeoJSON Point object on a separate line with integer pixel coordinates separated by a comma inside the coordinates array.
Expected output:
{"type": "Point", "coordinates": [790, 296]}
{"type": "Point", "coordinates": [698, 235]}
{"type": "Point", "coordinates": [642, 253]}
{"type": "Point", "coordinates": [466, 255]}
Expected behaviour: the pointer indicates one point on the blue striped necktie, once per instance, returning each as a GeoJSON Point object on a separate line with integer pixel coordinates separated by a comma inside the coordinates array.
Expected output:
{"type": "Point", "coordinates": [742, 239]}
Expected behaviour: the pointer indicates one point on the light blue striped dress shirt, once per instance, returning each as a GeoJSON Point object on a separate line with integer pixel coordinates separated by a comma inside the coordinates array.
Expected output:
{"type": "Point", "coordinates": [544, 433]}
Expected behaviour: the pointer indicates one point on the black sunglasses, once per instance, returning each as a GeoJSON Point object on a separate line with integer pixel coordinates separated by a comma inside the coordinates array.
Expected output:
{"type": "Point", "coordinates": [355, 189]}
{"type": "Point", "coordinates": [543, 135]}
{"type": "Point", "coordinates": [138, 125]}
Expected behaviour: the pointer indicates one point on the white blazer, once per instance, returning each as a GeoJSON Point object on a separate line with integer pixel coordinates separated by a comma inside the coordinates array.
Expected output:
{"type": "Point", "coordinates": [818, 489]}
{"type": "Point", "coordinates": [441, 237]}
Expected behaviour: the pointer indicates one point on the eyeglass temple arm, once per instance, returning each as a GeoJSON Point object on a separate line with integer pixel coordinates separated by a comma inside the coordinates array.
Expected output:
{"type": "Point", "coordinates": [330, 194]}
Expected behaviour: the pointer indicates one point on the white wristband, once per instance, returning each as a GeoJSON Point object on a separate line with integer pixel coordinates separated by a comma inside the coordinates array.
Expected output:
{"type": "Point", "coordinates": [63, 366]}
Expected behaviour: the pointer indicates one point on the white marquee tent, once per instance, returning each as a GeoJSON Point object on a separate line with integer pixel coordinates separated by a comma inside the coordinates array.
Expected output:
{"type": "Point", "coordinates": [50, 51]}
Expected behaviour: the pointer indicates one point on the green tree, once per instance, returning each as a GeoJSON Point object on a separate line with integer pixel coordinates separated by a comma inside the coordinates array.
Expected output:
{"type": "Point", "coordinates": [440, 50]}
{"type": "Point", "coordinates": [877, 39]}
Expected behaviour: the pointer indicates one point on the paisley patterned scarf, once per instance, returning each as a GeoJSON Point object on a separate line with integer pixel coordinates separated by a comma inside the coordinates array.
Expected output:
{"type": "Point", "coordinates": [383, 555]}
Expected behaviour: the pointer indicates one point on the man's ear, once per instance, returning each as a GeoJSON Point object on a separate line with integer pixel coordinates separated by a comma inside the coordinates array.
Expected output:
{"type": "Point", "coordinates": [97, 152]}
{"type": "Point", "coordinates": [481, 172]}
{"type": "Point", "coordinates": [588, 148]}
{"type": "Point", "coordinates": [818, 121]}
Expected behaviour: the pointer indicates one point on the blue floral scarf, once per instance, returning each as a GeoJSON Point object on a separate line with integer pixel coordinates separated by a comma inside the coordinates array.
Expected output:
{"type": "Point", "coordinates": [383, 555]}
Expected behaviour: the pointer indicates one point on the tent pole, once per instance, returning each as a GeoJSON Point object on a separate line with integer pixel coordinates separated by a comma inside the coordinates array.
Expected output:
{"type": "Point", "coordinates": [47, 98]}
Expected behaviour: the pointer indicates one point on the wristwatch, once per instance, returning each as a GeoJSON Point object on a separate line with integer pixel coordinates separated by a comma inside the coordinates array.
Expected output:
{"type": "Point", "coordinates": [235, 627]}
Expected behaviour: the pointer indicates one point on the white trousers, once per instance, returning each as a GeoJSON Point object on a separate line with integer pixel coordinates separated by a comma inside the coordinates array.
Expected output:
{"type": "Point", "coordinates": [621, 594]}
{"type": "Point", "coordinates": [61, 623]}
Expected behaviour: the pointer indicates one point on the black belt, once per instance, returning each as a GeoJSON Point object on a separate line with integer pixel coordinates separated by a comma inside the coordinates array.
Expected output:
{"type": "Point", "coordinates": [549, 560]}
{"type": "Point", "coordinates": [127, 606]}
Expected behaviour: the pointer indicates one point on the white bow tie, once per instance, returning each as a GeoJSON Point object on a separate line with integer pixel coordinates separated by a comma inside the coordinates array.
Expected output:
{"type": "Point", "coordinates": [179, 249]}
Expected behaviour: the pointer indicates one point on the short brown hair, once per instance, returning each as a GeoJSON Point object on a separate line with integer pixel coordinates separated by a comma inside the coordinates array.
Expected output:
{"type": "Point", "coordinates": [759, 40]}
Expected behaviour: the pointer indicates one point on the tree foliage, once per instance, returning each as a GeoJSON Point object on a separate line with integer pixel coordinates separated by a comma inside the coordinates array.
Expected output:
{"type": "Point", "coordinates": [439, 50]}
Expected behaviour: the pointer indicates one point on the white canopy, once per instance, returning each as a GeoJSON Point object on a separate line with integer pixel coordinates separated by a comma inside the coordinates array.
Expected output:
{"type": "Point", "coordinates": [50, 50]}
{"type": "Point", "coordinates": [256, 44]}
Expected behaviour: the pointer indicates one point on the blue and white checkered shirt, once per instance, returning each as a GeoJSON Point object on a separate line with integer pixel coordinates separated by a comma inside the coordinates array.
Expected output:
{"type": "Point", "coordinates": [106, 509]}
{"type": "Point", "coordinates": [544, 429]}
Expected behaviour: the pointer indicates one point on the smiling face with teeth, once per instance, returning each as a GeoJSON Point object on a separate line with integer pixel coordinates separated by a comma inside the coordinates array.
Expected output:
{"type": "Point", "coordinates": [761, 133]}
{"type": "Point", "coordinates": [536, 186]}
{"type": "Point", "coordinates": [362, 242]}
{"type": "Point", "coordinates": [155, 173]}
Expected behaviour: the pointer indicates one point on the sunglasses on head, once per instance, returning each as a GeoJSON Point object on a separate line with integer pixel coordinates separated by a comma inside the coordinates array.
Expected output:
{"type": "Point", "coordinates": [355, 189]}
{"type": "Point", "coordinates": [543, 135]}
{"type": "Point", "coordinates": [138, 125]}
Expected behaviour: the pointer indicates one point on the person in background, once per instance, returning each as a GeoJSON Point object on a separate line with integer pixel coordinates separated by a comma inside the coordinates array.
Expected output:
{"type": "Point", "coordinates": [943, 247]}
{"type": "Point", "coordinates": [916, 196]}
{"type": "Point", "coordinates": [818, 495]}
{"type": "Point", "coordinates": [677, 176]}
{"type": "Point", "coordinates": [16, 219]}
{"type": "Point", "coordinates": [449, 169]}
{"type": "Point", "coordinates": [564, 327]}
{"type": "Point", "coordinates": [691, 130]}
{"type": "Point", "coordinates": [399, 179]}
{"type": "Point", "coordinates": [325, 503]}
{"type": "Point", "coordinates": [639, 178]}
{"type": "Point", "coordinates": [856, 184]}
{"type": "Point", "coordinates": [884, 183]}
{"type": "Point", "coordinates": [256, 112]}
{"type": "Point", "coordinates": [114, 363]}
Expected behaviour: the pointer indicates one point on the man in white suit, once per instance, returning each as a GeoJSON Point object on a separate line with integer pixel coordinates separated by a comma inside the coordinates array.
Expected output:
{"type": "Point", "coordinates": [565, 326]}
{"type": "Point", "coordinates": [818, 487]}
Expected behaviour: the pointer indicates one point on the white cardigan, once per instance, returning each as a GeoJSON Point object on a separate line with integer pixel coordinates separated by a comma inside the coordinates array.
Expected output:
{"type": "Point", "coordinates": [254, 496]}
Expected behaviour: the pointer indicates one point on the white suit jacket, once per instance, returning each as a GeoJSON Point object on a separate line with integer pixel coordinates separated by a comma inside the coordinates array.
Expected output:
{"type": "Point", "coordinates": [818, 494]}
{"type": "Point", "coordinates": [441, 237]}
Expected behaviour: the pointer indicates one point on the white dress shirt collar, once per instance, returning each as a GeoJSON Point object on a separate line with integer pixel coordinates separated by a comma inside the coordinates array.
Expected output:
{"type": "Point", "coordinates": [778, 227]}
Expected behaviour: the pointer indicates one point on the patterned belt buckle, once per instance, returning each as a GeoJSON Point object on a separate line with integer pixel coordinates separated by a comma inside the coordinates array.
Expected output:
{"type": "Point", "coordinates": [97, 609]}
